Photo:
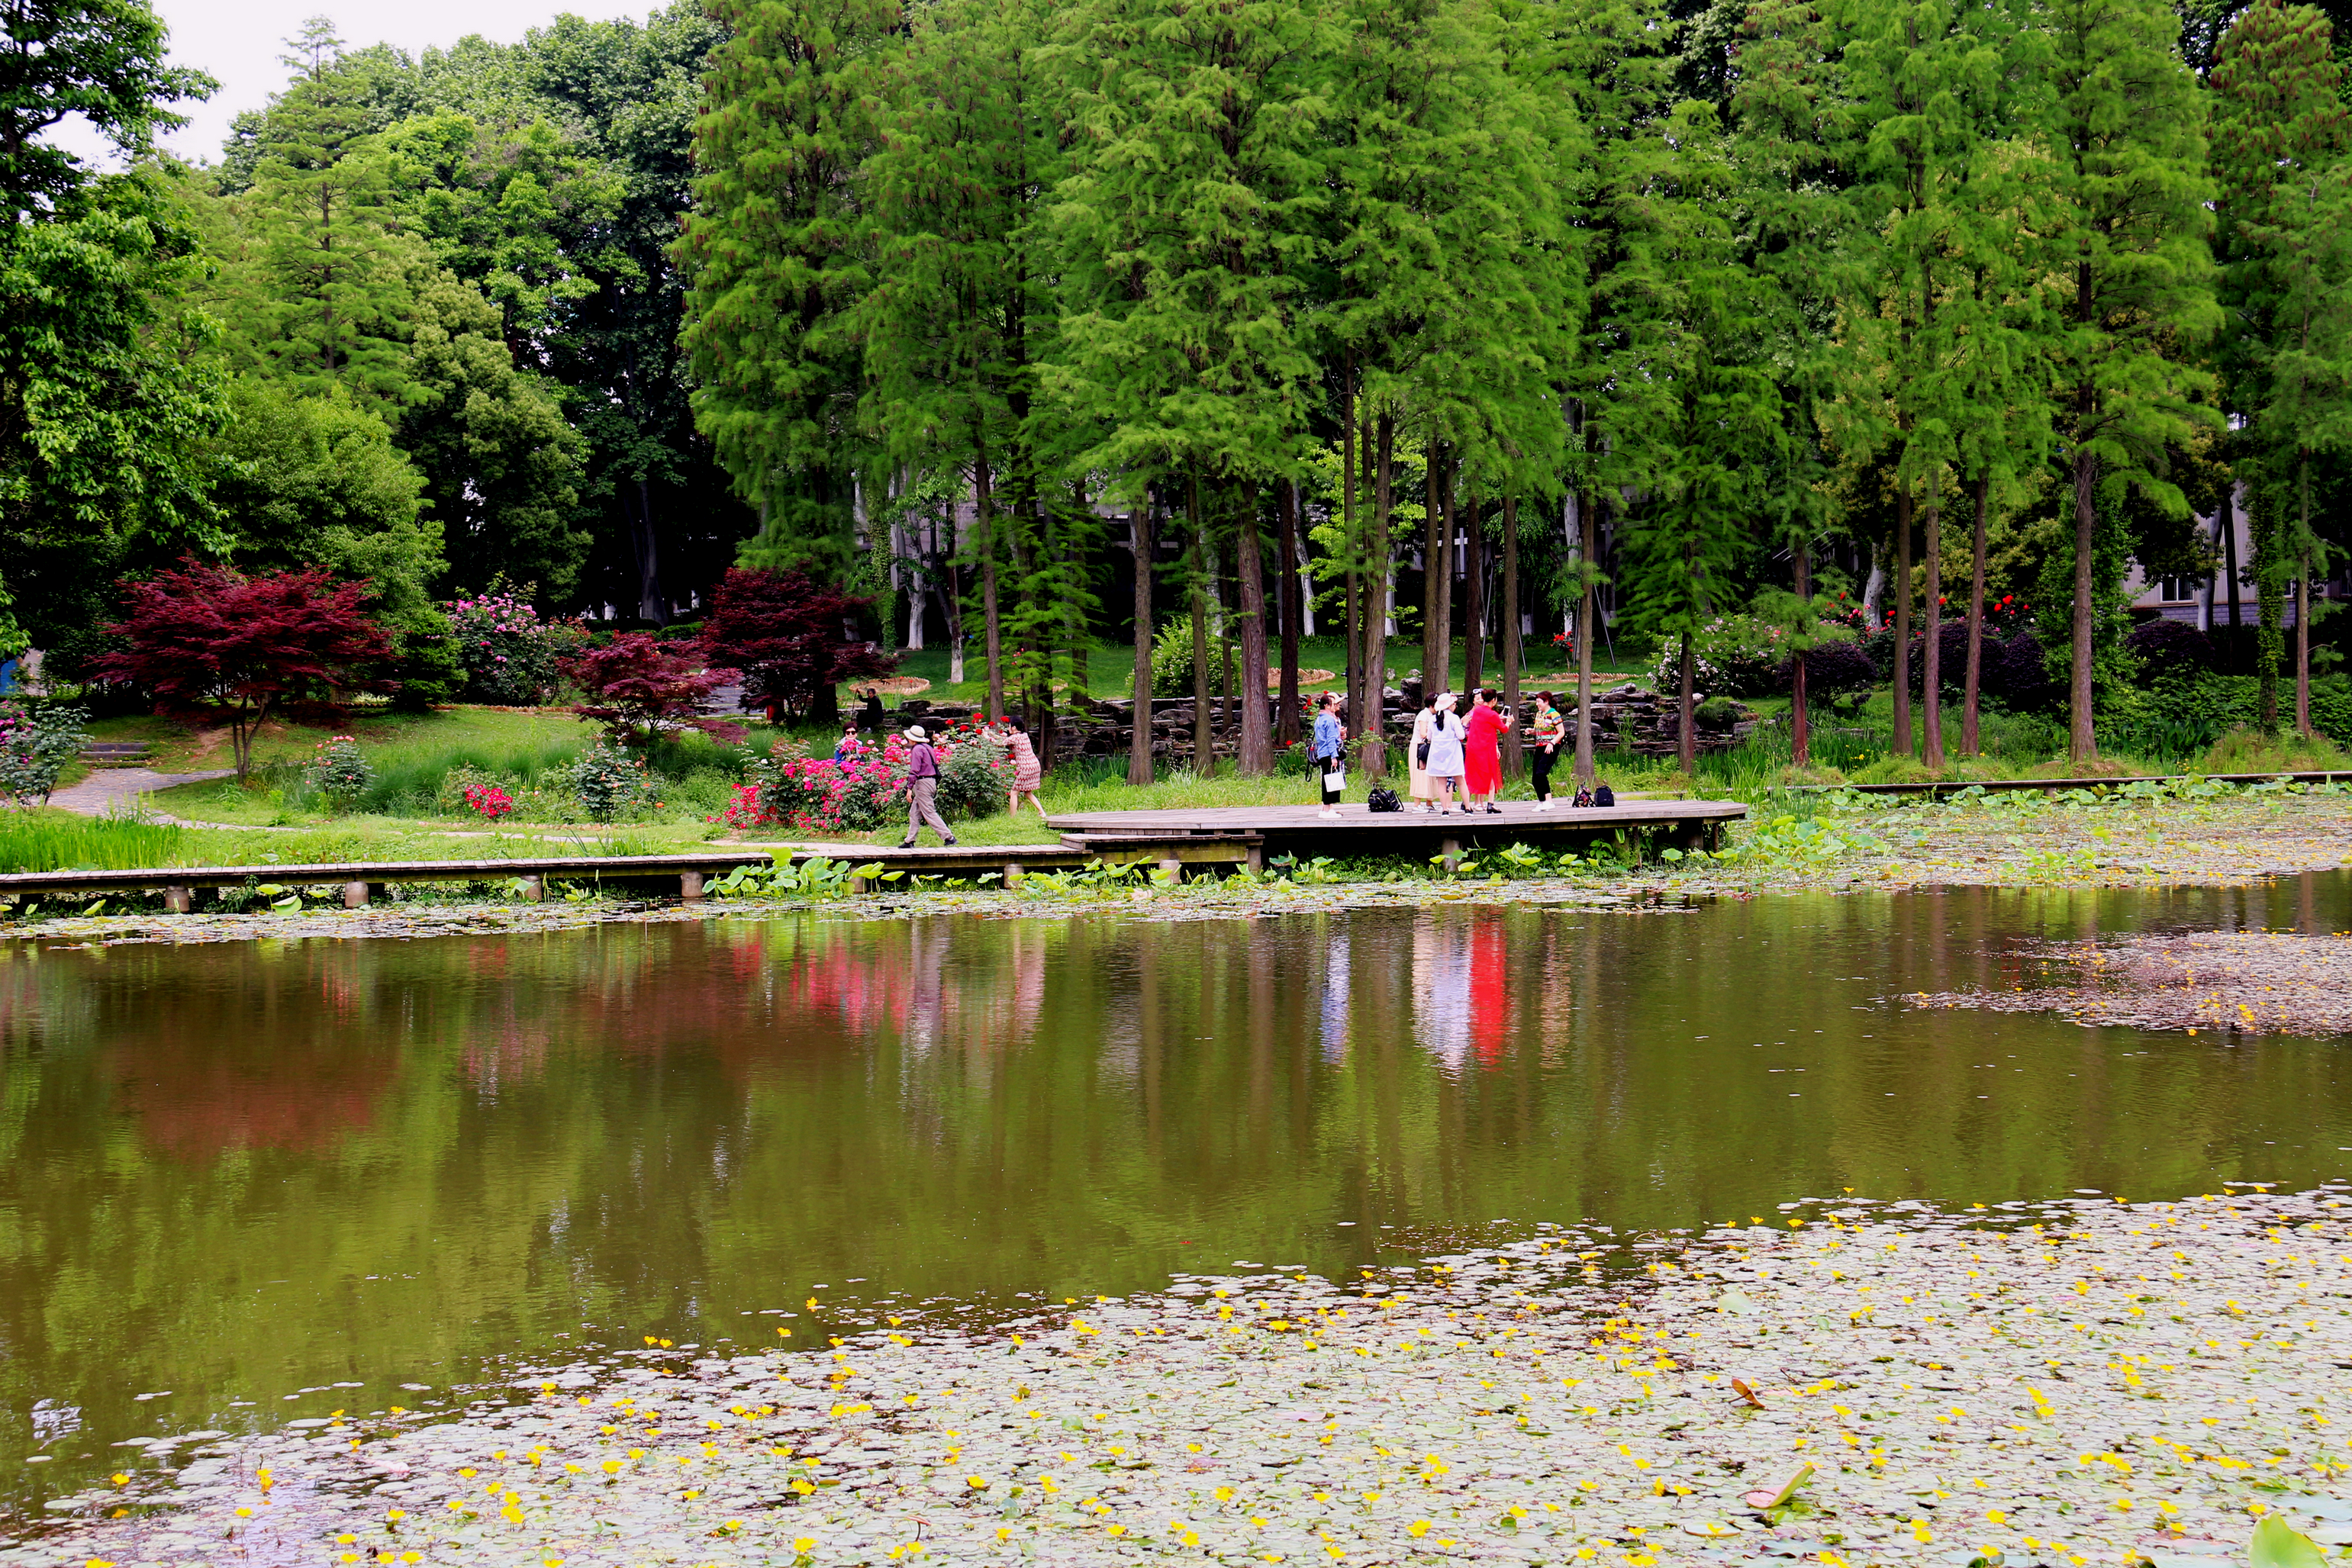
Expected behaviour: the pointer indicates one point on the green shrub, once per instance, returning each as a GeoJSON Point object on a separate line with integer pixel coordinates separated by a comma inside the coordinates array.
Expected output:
{"type": "Point", "coordinates": [339, 773]}
{"type": "Point", "coordinates": [36, 744]}
{"type": "Point", "coordinates": [971, 784]}
{"type": "Point", "coordinates": [610, 782]}
{"type": "Point", "coordinates": [1172, 659]}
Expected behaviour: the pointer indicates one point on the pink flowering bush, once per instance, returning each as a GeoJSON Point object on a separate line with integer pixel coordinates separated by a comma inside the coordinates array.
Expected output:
{"type": "Point", "coordinates": [815, 794]}
{"type": "Point", "coordinates": [510, 655]}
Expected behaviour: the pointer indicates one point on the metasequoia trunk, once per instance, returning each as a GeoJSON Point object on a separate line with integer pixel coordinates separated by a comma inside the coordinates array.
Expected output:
{"type": "Point", "coordinates": [1973, 682]}
{"type": "Point", "coordinates": [1257, 740]}
{"type": "Point", "coordinates": [1902, 620]}
{"type": "Point", "coordinates": [991, 622]}
{"type": "Point", "coordinates": [1286, 721]}
{"type": "Point", "coordinates": [1688, 747]}
{"type": "Point", "coordinates": [1586, 543]}
{"type": "Point", "coordinates": [1434, 557]}
{"type": "Point", "coordinates": [1205, 759]}
{"type": "Point", "coordinates": [1139, 750]}
{"type": "Point", "coordinates": [1933, 674]}
{"type": "Point", "coordinates": [1474, 596]}
{"type": "Point", "coordinates": [2082, 738]}
{"type": "Point", "coordinates": [1373, 754]}
{"type": "Point", "coordinates": [1514, 759]}
{"type": "Point", "coordinates": [1800, 722]}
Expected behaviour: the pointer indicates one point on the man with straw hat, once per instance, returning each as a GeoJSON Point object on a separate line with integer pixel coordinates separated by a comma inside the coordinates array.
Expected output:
{"type": "Point", "coordinates": [923, 789]}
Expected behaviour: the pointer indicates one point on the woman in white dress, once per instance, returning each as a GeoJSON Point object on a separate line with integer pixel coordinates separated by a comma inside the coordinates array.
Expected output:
{"type": "Point", "coordinates": [1446, 753]}
{"type": "Point", "coordinates": [1417, 788]}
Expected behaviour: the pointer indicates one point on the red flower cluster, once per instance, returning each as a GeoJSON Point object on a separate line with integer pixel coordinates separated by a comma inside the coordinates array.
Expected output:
{"type": "Point", "coordinates": [488, 800]}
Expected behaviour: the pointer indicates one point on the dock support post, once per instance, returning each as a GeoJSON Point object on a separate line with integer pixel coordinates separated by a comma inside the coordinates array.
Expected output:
{"type": "Point", "coordinates": [534, 889]}
{"type": "Point", "coordinates": [1013, 873]}
{"type": "Point", "coordinates": [1452, 849]}
{"type": "Point", "coordinates": [1257, 860]}
{"type": "Point", "coordinates": [860, 885]}
{"type": "Point", "coordinates": [180, 899]}
{"type": "Point", "coordinates": [1174, 868]}
{"type": "Point", "coordinates": [355, 895]}
{"type": "Point", "coordinates": [689, 886]}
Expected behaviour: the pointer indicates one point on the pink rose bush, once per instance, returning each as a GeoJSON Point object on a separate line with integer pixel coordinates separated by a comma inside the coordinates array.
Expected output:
{"type": "Point", "coordinates": [812, 794]}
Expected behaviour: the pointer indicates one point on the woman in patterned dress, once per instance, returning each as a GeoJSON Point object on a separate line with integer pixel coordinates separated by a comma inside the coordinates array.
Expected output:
{"type": "Point", "coordinates": [1028, 773]}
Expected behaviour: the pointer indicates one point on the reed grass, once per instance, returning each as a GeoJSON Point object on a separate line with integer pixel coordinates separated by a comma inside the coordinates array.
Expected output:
{"type": "Point", "coordinates": [44, 840]}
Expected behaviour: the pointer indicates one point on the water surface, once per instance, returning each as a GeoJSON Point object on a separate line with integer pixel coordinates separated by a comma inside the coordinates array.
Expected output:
{"type": "Point", "coordinates": [245, 1183]}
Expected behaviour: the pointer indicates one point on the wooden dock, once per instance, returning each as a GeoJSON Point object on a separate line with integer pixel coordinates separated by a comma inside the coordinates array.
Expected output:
{"type": "Point", "coordinates": [1177, 838]}
{"type": "Point", "coordinates": [1177, 843]}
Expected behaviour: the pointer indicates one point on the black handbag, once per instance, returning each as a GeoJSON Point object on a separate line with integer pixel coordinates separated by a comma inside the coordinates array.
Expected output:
{"type": "Point", "coordinates": [1382, 799]}
{"type": "Point", "coordinates": [1421, 754]}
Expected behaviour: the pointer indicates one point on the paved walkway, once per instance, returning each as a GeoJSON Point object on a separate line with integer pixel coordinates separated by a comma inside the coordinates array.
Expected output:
{"type": "Point", "coordinates": [112, 790]}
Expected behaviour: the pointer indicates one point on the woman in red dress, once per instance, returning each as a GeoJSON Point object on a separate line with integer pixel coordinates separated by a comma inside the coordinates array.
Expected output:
{"type": "Point", "coordinates": [1482, 761]}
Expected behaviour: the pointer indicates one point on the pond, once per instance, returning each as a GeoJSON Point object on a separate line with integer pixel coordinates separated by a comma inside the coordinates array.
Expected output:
{"type": "Point", "coordinates": [251, 1183]}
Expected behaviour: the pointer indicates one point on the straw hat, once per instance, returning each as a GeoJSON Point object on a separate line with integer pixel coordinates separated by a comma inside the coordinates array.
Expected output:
{"type": "Point", "coordinates": [918, 733]}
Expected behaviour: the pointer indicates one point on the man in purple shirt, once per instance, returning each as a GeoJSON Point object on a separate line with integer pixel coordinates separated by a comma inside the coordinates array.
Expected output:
{"type": "Point", "coordinates": [923, 789]}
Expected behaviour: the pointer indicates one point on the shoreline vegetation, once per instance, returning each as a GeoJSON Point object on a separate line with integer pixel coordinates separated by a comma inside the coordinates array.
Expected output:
{"type": "Point", "coordinates": [1848, 1381]}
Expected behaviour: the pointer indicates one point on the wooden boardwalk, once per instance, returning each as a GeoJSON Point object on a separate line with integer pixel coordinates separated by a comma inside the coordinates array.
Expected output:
{"type": "Point", "coordinates": [1230, 837]}
{"type": "Point", "coordinates": [1181, 836]}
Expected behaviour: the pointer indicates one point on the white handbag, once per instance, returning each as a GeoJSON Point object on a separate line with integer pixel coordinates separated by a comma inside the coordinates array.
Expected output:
{"type": "Point", "coordinates": [1335, 780]}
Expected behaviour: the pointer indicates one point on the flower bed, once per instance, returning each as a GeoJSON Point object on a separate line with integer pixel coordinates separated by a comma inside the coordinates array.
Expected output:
{"type": "Point", "coordinates": [817, 795]}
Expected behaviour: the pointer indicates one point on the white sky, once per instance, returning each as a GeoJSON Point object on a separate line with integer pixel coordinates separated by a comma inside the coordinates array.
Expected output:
{"type": "Point", "coordinates": [238, 42]}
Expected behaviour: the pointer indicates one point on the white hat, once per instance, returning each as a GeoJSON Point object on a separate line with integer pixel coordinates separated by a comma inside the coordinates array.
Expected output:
{"type": "Point", "coordinates": [917, 732]}
{"type": "Point", "coordinates": [1447, 699]}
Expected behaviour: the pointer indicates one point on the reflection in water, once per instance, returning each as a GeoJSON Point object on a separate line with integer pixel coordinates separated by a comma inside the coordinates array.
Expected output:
{"type": "Point", "coordinates": [235, 1171]}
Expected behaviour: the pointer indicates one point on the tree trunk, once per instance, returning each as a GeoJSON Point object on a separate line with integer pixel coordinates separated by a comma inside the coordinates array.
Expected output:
{"type": "Point", "coordinates": [1139, 750]}
{"type": "Point", "coordinates": [1587, 609]}
{"type": "Point", "coordinates": [1514, 754]}
{"type": "Point", "coordinates": [1257, 739]}
{"type": "Point", "coordinates": [1372, 755]}
{"type": "Point", "coordinates": [1800, 722]}
{"type": "Point", "coordinates": [991, 622]}
{"type": "Point", "coordinates": [1435, 653]}
{"type": "Point", "coordinates": [1688, 740]}
{"type": "Point", "coordinates": [2302, 602]}
{"type": "Point", "coordinates": [1474, 597]}
{"type": "Point", "coordinates": [2082, 738]}
{"type": "Point", "coordinates": [1228, 713]}
{"type": "Point", "coordinates": [1973, 682]}
{"type": "Point", "coordinates": [650, 606]}
{"type": "Point", "coordinates": [1351, 656]}
{"type": "Point", "coordinates": [2229, 551]}
{"type": "Point", "coordinates": [1932, 676]}
{"type": "Point", "coordinates": [1443, 600]}
{"type": "Point", "coordinates": [1903, 621]}
{"type": "Point", "coordinates": [1204, 755]}
{"type": "Point", "coordinates": [1286, 721]}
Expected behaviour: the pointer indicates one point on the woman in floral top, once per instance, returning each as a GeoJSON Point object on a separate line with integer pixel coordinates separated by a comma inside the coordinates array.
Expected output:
{"type": "Point", "coordinates": [1549, 730]}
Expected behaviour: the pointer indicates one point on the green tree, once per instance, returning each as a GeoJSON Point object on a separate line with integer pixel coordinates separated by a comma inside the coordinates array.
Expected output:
{"type": "Point", "coordinates": [100, 60]}
{"type": "Point", "coordinates": [106, 402]}
{"type": "Point", "coordinates": [316, 481]}
{"type": "Point", "coordinates": [1186, 223]}
{"type": "Point", "coordinates": [775, 274]}
{"type": "Point", "coordinates": [501, 467]}
{"type": "Point", "coordinates": [1695, 414]}
{"type": "Point", "coordinates": [2283, 150]}
{"type": "Point", "coordinates": [2129, 277]}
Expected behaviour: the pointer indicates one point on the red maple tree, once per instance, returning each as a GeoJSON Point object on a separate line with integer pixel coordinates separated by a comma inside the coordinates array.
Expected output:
{"type": "Point", "coordinates": [791, 636]}
{"type": "Point", "coordinates": [638, 690]}
{"type": "Point", "coordinates": [208, 640]}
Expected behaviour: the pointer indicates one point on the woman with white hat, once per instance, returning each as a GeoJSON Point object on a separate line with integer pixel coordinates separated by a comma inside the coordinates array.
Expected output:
{"type": "Point", "coordinates": [923, 788]}
{"type": "Point", "coordinates": [1445, 762]}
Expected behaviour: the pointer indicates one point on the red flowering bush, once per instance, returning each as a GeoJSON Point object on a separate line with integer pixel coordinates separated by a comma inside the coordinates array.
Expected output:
{"type": "Point", "coordinates": [490, 801]}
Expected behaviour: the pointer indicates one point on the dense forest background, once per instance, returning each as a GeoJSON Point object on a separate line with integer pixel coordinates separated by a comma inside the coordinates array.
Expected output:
{"type": "Point", "coordinates": [1751, 306]}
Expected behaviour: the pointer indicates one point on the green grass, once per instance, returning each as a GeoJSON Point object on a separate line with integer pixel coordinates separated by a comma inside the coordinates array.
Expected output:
{"type": "Point", "coordinates": [56, 841]}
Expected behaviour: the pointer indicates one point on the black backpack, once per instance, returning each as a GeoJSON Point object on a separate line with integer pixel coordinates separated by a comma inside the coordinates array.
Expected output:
{"type": "Point", "coordinates": [1382, 799]}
